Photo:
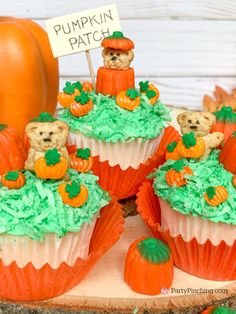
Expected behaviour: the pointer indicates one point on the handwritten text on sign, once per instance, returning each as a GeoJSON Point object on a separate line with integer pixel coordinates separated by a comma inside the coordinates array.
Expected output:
{"type": "Point", "coordinates": [82, 31]}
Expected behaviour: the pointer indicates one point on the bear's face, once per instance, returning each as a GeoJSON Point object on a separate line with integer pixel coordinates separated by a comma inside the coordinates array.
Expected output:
{"type": "Point", "coordinates": [117, 59]}
{"type": "Point", "coordinates": [47, 135]}
{"type": "Point", "coordinates": [199, 123]}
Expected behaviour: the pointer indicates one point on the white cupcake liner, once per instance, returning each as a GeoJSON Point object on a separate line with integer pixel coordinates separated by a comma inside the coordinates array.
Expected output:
{"type": "Point", "coordinates": [124, 154]}
{"type": "Point", "coordinates": [52, 250]}
{"type": "Point", "coordinates": [190, 227]}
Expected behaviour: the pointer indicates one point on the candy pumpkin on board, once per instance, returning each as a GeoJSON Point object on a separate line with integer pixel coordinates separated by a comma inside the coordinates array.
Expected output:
{"type": "Point", "coordinates": [29, 74]}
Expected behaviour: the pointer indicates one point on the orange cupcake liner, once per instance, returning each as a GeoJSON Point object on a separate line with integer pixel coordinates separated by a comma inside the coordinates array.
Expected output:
{"type": "Point", "coordinates": [29, 283]}
{"type": "Point", "coordinates": [203, 260]}
{"type": "Point", "coordinates": [125, 183]}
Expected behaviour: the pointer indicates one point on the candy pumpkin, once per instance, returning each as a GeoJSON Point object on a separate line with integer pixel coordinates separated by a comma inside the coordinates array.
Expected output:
{"type": "Point", "coordinates": [82, 105]}
{"type": "Point", "coordinates": [28, 72]}
{"type": "Point", "coordinates": [13, 180]}
{"type": "Point", "coordinates": [117, 41]}
{"type": "Point", "coordinates": [12, 150]}
{"type": "Point", "coordinates": [225, 122]}
{"type": "Point", "coordinates": [172, 152]}
{"type": "Point", "coordinates": [87, 87]}
{"type": "Point", "coordinates": [51, 166]}
{"type": "Point", "coordinates": [176, 175]}
{"type": "Point", "coordinates": [148, 266]}
{"type": "Point", "coordinates": [128, 100]}
{"type": "Point", "coordinates": [81, 160]}
{"type": "Point", "coordinates": [150, 91]}
{"type": "Point", "coordinates": [214, 196]}
{"type": "Point", "coordinates": [73, 193]}
{"type": "Point", "coordinates": [191, 146]}
{"type": "Point", "coordinates": [70, 90]}
{"type": "Point", "coordinates": [228, 154]}
{"type": "Point", "coordinates": [234, 180]}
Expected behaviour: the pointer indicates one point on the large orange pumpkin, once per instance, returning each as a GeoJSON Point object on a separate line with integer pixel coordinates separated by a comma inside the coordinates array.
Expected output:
{"type": "Point", "coordinates": [228, 154]}
{"type": "Point", "coordinates": [149, 266]}
{"type": "Point", "coordinates": [28, 72]}
{"type": "Point", "coordinates": [12, 151]}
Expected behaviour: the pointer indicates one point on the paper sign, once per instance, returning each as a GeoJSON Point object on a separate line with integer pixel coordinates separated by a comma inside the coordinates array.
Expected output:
{"type": "Point", "coordinates": [82, 31]}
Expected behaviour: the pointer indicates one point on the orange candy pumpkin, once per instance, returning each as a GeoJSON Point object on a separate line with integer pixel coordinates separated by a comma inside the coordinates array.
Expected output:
{"type": "Point", "coordinates": [29, 73]}
{"type": "Point", "coordinates": [73, 193]}
{"type": "Point", "coordinates": [81, 160]}
{"type": "Point", "coordinates": [51, 166]}
{"type": "Point", "coordinates": [150, 90]}
{"type": "Point", "coordinates": [214, 196]}
{"type": "Point", "coordinates": [13, 180]}
{"type": "Point", "coordinates": [87, 87]}
{"type": "Point", "coordinates": [172, 152]}
{"type": "Point", "coordinates": [149, 266]}
{"type": "Point", "coordinates": [234, 180]}
{"type": "Point", "coordinates": [117, 41]}
{"type": "Point", "coordinates": [12, 151]}
{"type": "Point", "coordinates": [191, 146]}
{"type": "Point", "coordinates": [128, 100]}
{"type": "Point", "coordinates": [176, 175]}
{"type": "Point", "coordinates": [82, 105]}
{"type": "Point", "coordinates": [228, 154]}
{"type": "Point", "coordinates": [66, 98]}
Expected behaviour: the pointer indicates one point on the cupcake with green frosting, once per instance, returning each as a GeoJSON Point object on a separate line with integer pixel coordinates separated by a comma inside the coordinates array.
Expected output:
{"type": "Point", "coordinates": [45, 232]}
{"type": "Point", "coordinates": [123, 133]}
{"type": "Point", "coordinates": [195, 212]}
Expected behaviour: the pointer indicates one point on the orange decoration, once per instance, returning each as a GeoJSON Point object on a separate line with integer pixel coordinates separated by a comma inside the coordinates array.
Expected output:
{"type": "Point", "coordinates": [150, 90]}
{"type": "Point", "coordinates": [117, 41]}
{"type": "Point", "coordinates": [82, 105]}
{"type": "Point", "coordinates": [234, 181]}
{"type": "Point", "coordinates": [13, 180]}
{"type": "Point", "coordinates": [228, 154]}
{"type": "Point", "coordinates": [73, 194]}
{"type": "Point", "coordinates": [214, 196]}
{"type": "Point", "coordinates": [222, 98]}
{"type": "Point", "coordinates": [111, 82]}
{"type": "Point", "coordinates": [172, 152]}
{"type": "Point", "coordinates": [12, 151]}
{"type": "Point", "coordinates": [81, 160]}
{"type": "Point", "coordinates": [27, 64]}
{"type": "Point", "coordinates": [191, 146]}
{"type": "Point", "coordinates": [128, 99]}
{"type": "Point", "coordinates": [148, 266]}
{"type": "Point", "coordinates": [51, 166]}
{"type": "Point", "coordinates": [87, 87]}
{"type": "Point", "coordinates": [66, 98]}
{"type": "Point", "coordinates": [176, 175]}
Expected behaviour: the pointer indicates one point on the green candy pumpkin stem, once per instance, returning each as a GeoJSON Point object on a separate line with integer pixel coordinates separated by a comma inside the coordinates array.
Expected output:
{"type": "Point", "coordinates": [178, 165]}
{"type": "Point", "coordinates": [12, 175]}
{"type": "Point", "coordinates": [132, 93]}
{"type": "Point", "coordinates": [144, 86]}
{"type": "Point", "coordinates": [52, 157]}
{"type": "Point", "coordinates": [189, 140]}
{"type": "Point", "coordinates": [83, 153]}
{"type": "Point", "coordinates": [73, 189]}
{"type": "Point", "coordinates": [226, 114]}
{"type": "Point", "coordinates": [171, 147]}
{"type": "Point", "coordinates": [44, 117]}
{"type": "Point", "coordinates": [211, 191]}
{"type": "Point", "coordinates": [154, 250]}
{"type": "Point", "coordinates": [3, 127]}
{"type": "Point", "coordinates": [83, 98]}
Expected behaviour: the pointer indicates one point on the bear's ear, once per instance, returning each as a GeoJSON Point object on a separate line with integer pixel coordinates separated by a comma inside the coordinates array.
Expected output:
{"type": "Point", "coordinates": [210, 118]}
{"type": "Point", "coordinates": [105, 52]}
{"type": "Point", "coordinates": [181, 117]}
{"type": "Point", "coordinates": [31, 128]}
{"type": "Point", "coordinates": [63, 128]}
{"type": "Point", "coordinates": [130, 55]}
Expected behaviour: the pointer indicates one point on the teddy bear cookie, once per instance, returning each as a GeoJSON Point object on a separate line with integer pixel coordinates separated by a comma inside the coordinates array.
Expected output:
{"type": "Point", "coordinates": [46, 134]}
{"type": "Point", "coordinates": [116, 75]}
{"type": "Point", "coordinates": [200, 124]}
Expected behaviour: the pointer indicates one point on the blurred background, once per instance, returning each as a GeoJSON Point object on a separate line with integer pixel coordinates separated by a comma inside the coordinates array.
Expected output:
{"type": "Point", "coordinates": [185, 47]}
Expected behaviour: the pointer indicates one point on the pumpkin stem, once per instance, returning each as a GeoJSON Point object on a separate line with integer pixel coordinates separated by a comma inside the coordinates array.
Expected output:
{"type": "Point", "coordinates": [73, 189]}
{"type": "Point", "coordinates": [178, 165]}
{"type": "Point", "coordinates": [226, 114]}
{"type": "Point", "coordinates": [44, 117]}
{"type": "Point", "coordinates": [132, 93]}
{"type": "Point", "coordinates": [143, 86]}
{"type": "Point", "coordinates": [150, 93]}
{"type": "Point", "coordinates": [52, 157]}
{"type": "Point", "coordinates": [83, 153]}
{"type": "Point", "coordinates": [78, 85]}
{"type": "Point", "coordinates": [12, 175]}
{"type": "Point", "coordinates": [189, 140]}
{"type": "Point", "coordinates": [234, 134]}
{"type": "Point", "coordinates": [116, 34]}
{"type": "Point", "coordinates": [223, 310]}
{"type": "Point", "coordinates": [211, 191]}
{"type": "Point", "coordinates": [171, 147]}
{"type": "Point", "coordinates": [69, 88]}
{"type": "Point", "coordinates": [154, 250]}
{"type": "Point", "coordinates": [3, 127]}
{"type": "Point", "coordinates": [83, 98]}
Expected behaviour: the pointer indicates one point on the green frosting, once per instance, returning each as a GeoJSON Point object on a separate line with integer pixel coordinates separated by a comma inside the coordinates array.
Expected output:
{"type": "Point", "coordinates": [37, 208]}
{"type": "Point", "coordinates": [109, 123]}
{"type": "Point", "coordinates": [83, 153]}
{"type": "Point", "coordinates": [189, 140]}
{"type": "Point", "coordinates": [44, 117]}
{"type": "Point", "coordinates": [226, 114]}
{"type": "Point", "coordinates": [12, 176]}
{"type": "Point", "coordinates": [83, 98]}
{"type": "Point", "coordinates": [223, 310]}
{"type": "Point", "coordinates": [189, 199]}
{"type": "Point", "coordinates": [171, 147]}
{"type": "Point", "coordinates": [52, 157]}
{"type": "Point", "coordinates": [154, 250]}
